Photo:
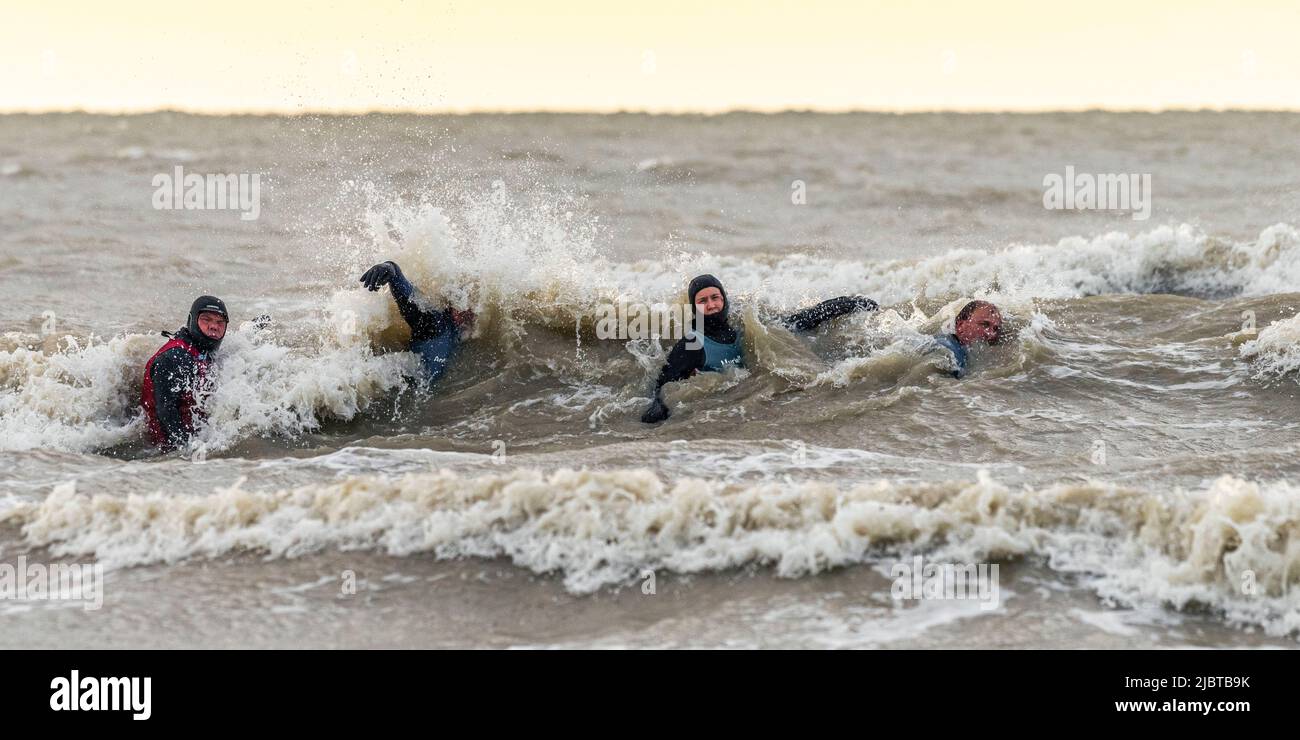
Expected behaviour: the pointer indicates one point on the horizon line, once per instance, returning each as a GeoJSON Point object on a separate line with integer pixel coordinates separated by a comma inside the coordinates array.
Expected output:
{"type": "Point", "coordinates": [683, 112]}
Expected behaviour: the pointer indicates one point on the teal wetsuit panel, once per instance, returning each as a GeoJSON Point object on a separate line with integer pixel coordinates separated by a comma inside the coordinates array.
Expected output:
{"type": "Point", "coordinates": [950, 343]}
{"type": "Point", "coordinates": [718, 356]}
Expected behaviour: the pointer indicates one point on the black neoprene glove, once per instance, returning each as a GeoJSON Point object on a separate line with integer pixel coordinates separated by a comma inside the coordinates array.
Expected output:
{"type": "Point", "coordinates": [656, 412]}
{"type": "Point", "coordinates": [381, 274]}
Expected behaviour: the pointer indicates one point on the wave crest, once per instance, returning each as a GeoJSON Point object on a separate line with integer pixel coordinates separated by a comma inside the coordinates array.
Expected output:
{"type": "Point", "coordinates": [1233, 546]}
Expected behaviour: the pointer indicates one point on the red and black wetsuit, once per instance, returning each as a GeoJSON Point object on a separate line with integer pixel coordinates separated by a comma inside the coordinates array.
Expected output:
{"type": "Point", "coordinates": [171, 378]}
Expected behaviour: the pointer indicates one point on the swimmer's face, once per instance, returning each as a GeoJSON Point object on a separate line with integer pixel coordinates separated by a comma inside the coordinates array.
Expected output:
{"type": "Point", "coordinates": [983, 325]}
{"type": "Point", "coordinates": [212, 324]}
{"type": "Point", "coordinates": [709, 301]}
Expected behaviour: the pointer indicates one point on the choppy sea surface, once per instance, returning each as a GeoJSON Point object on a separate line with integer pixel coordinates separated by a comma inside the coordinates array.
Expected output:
{"type": "Point", "coordinates": [1127, 456]}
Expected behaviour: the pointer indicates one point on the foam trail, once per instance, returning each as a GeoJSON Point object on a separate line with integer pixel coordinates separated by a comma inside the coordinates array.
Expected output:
{"type": "Point", "coordinates": [85, 395]}
{"type": "Point", "coordinates": [536, 262]}
{"type": "Point", "coordinates": [1276, 351]}
{"type": "Point", "coordinates": [530, 269]}
{"type": "Point", "coordinates": [601, 528]}
{"type": "Point", "coordinates": [82, 395]}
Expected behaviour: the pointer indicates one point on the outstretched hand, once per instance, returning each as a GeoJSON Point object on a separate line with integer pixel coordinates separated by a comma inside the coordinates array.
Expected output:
{"type": "Point", "coordinates": [657, 412]}
{"type": "Point", "coordinates": [380, 275]}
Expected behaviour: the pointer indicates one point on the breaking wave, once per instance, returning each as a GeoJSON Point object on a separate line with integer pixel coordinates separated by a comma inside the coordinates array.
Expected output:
{"type": "Point", "coordinates": [1232, 547]}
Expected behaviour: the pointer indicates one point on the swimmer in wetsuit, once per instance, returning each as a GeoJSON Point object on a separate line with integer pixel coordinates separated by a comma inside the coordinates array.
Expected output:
{"type": "Point", "coordinates": [435, 333]}
{"type": "Point", "coordinates": [978, 321]}
{"type": "Point", "coordinates": [719, 346]}
{"type": "Point", "coordinates": [174, 377]}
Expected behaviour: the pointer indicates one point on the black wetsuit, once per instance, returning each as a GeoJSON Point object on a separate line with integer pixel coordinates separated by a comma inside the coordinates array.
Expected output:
{"type": "Point", "coordinates": [174, 373]}
{"type": "Point", "coordinates": [683, 361]}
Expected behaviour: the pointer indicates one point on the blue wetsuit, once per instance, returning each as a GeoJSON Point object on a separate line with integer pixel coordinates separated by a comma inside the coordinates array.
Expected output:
{"type": "Point", "coordinates": [958, 350]}
{"type": "Point", "coordinates": [435, 334]}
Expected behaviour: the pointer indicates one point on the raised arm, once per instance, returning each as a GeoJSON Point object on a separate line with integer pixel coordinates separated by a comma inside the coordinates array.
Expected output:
{"type": "Point", "coordinates": [681, 364]}
{"type": "Point", "coordinates": [810, 318]}
{"type": "Point", "coordinates": [425, 321]}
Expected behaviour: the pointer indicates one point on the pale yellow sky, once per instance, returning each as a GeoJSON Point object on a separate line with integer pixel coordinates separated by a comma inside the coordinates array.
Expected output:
{"type": "Point", "coordinates": [665, 55]}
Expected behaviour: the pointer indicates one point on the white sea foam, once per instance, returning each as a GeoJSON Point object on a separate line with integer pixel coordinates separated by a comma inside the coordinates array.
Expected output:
{"type": "Point", "coordinates": [81, 395]}
{"type": "Point", "coordinates": [1231, 546]}
{"type": "Point", "coordinates": [536, 259]}
{"type": "Point", "coordinates": [85, 394]}
{"type": "Point", "coordinates": [1276, 351]}
{"type": "Point", "coordinates": [524, 266]}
